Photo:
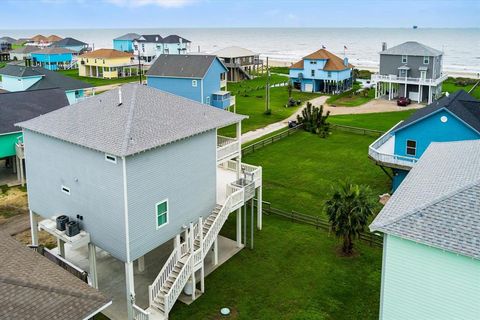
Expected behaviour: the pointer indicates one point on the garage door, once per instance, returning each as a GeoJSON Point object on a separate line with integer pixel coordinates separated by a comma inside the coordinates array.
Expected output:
{"type": "Point", "coordinates": [308, 87]}
{"type": "Point", "coordinates": [413, 96]}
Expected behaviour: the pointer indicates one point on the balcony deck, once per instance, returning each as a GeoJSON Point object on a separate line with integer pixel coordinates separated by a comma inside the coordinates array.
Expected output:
{"type": "Point", "coordinates": [417, 81]}
{"type": "Point", "coordinates": [382, 152]}
{"type": "Point", "coordinates": [227, 148]}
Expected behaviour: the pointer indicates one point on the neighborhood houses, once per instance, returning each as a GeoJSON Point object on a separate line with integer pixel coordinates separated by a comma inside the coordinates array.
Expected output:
{"type": "Point", "coordinates": [277, 172]}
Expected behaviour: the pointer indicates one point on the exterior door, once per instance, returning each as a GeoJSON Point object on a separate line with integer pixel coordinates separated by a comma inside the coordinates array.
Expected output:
{"type": "Point", "coordinates": [423, 75]}
{"type": "Point", "coordinates": [308, 87]}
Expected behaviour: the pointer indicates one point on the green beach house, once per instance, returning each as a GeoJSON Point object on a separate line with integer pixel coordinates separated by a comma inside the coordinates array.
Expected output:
{"type": "Point", "coordinates": [431, 226]}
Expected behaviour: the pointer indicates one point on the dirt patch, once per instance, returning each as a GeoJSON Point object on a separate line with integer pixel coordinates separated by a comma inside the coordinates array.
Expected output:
{"type": "Point", "coordinates": [13, 202]}
{"type": "Point", "coordinates": [44, 238]}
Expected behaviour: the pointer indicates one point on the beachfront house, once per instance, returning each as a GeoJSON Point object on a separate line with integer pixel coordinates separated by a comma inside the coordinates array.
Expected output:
{"type": "Point", "coordinates": [174, 44]}
{"type": "Point", "coordinates": [21, 106]}
{"type": "Point", "coordinates": [431, 242]}
{"type": "Point", "coordinates": [197, 77]}
{"type": "Point", "coordinates": [148, 47]}
{"type": "Point", "coordinates": [6, 43]}
{"type": "Point", "coordinates": [322, 71]}
{"type": "Point", "coordinates": [34, 285]}
{"type": "Point", "coordinates": [54, 58]}
{"type": "Point", "coordinates": [411, 70]}
{"type": "Point", "coordinates": [452, 118]}
{"type": "Point", "coordinates": [21, 78]}
{"type": "Point", "coordinates": [22, 53]}
{"type": "Point", "coordinates": [240, 62]}
{"type": "Point", "coordinates": [106, 63]}
{"type": "Point", "coordinates": [42, 41]}
{"type": "Point", "coordinates": [149, 181]}
{"type": "Point", "coordinates": [125, 42]}
{"type": "Point", "coordinates": [71, 44]}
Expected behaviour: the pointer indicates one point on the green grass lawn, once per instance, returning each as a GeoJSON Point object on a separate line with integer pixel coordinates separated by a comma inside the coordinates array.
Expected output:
{"type": "Point", "coordinates": [282, 70]}
{"type": "Point", "coordinates": [293, 272]}
{"type": "Point", "coordinates": [255, 84]}
{"type": "Point", "coordinates": [253, 105]}
{"type": "Point", "coordinates": [450, 86]}
{"type": "Point", "coordinates": [352, 98]}
{"type": "Point", "coordinates": [376, 121]}
{"type": "Point", "coordinates": [73, 73]}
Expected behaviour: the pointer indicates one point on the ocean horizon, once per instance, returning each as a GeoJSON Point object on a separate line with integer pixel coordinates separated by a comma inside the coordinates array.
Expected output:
{"type": "Point", "coordinates": [461, 46]}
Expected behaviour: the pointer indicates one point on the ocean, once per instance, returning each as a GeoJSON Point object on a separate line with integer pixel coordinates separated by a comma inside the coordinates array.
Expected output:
{"type": "Point", "coordinates": [461, 46]}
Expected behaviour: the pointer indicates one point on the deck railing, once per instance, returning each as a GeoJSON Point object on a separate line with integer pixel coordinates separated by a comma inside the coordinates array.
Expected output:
{"type": "Point", "coordinates": [227, 148]}
{"type": "Point", "coordinates": [139, 313]}
{"type": "Point", "coordinates": [432, 82]}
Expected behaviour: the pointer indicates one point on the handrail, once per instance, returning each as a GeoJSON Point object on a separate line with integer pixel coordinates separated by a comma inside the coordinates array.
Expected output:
{"type": "Point", "coordinates": [178, 284]}
{"type": "Point", "coordinates": [163, 275]}
{"type": "Point", "coordinates": [139, 313]}
{"type": "Point", "coordinates": [384, 137]}
{"type": "Point", "coordinates": [432, 81]}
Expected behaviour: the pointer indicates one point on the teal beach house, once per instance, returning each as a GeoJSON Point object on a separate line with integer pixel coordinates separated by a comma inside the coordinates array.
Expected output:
{"type": "Point", "coordinates": [452, 118]}
{"type": "Point", "coordinates": [431, 247]}
{"type": "Point", "coordinates": [19, 78]}
{"type": "Point", "coordinates": [125, 42]}
{"type": "Point", "coordinates": [71, 44]}
{"type": "Point", "coordinates": [322, 71]}
{"type": "Point", "coordinates": [196, 77]}
{"type": "Point", "coordinates": [54, 58]}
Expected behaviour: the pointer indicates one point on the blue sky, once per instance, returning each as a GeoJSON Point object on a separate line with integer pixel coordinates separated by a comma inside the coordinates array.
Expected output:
{"type": "Point", "coordinates": [47, 14]}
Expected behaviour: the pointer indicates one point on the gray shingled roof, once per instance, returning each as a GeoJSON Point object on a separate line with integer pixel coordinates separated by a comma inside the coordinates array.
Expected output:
{"type": "Point", "coordinates": [438, 203]}
{"type": "Point", "coordinates": [25, 49]}
{"type": "Point", "coordinates": [460, 103]}
{"type": "Point", "coordinates": [26, 105]}
{"type": "Point", "coordinates": [128, 36]}
{"type": "Point", "coordinates": [412, 48]}
{"type": "Point", "coordinates": [182, 65]}
{"type": "Point", "coordinates": [147, 118]}
{"type": "Point", "coordinates": [68, 42]}
{"type": "Point", "coordinates": [54, 50]}
{"type": "Point", "coordinates": [173, 38]}
{"type": "Point", "coordinates": [7, 39]}
{"type": "Point", "coordinates": [33, 287]}
{"type": "Point", "coordinates": [156, 38]}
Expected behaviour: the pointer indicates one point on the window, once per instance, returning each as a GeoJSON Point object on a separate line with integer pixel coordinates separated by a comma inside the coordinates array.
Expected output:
{"type": "Point", "coordinates": [66, 190]}
{"type": "Point", "coordinates": [404, 59]}
{"type": "Point", "coordinates": [162, 213]}
{"type": "Point", "coordinates": [423, 74]}
{"type": "Point", "coordinates": [329, 74]}
{"type": "Point", "coordinates": [207, 100]}
{"type": "Point", "coordinates": [411, 147]}
{"type": "Point", "coordinates": [403, 73]}
{"type": "Point", "coordinates": [426, 60]}
{"type": "Point", "coordinates": [194, 83]}
{"type": "Point", "coordinates": [313, 62]}
{"type": "Point", "coordinates": [313, 73]}
{"type": "Point", "coordinates": [110, 158]}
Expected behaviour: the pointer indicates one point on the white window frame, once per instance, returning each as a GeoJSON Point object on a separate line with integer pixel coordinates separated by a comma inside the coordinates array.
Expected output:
{"type": "Point", "coordinates": [423, 74]}
{"type": "Point", "coordinates": [167, 213]}
{"type": "Point", "coordinates": [110, 158]}
{"type": "Point", "coordinates": [194, 83]}
{"type": "Point", "coordinates": [426, 60]}
{"type": "Point", "coordinates": [65, 190]}
{"type": "Point", "coordinates": [406, 149]}
{"type": "Point", "coordinates": [404, 59]}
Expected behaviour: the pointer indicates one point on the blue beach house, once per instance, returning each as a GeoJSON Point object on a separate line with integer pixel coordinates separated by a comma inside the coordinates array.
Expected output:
{"type": "Point", "coordinates": [20, 78]}
{"type": "Point", "coordinates": [125, 42]}
{"type": "Point", "coordinates": [71, 44]}
{"type": "Point", "coordinates": [53, 58]}
{"type": "Point", "coordinates": [451, 118]}
{"type": "Point", "coordinates": [322, 71]}
{"type": "Point", "coordinates": [196, 77]}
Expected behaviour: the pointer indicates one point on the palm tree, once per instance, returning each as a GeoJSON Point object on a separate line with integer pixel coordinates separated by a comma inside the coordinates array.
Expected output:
{"type": "Point", "coordinates": [348, 211]}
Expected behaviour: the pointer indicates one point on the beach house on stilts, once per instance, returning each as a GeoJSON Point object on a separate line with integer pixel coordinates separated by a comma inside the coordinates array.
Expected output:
{"type": "Point", "coordinates": [141, 175]}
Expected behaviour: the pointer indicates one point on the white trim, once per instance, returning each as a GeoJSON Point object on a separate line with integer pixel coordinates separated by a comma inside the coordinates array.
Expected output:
{"type": "Point", "coordinates": [428, 60]}
{"type": "Point", "coordinates": [201, 90]}
{"type": "Point", "coordinates": [65, 190]}
{"type": "Point", "coordinates": [407, 147]}
{"type": "Point", "coordinates": [125, 203]}
{"type": "Point", "coordinates": [7, 133]}
{"type": "Point", "coordinates": [194, 83]}
{"type": "Point", "coordinates": [156, 213]}
{"type": "Point", "coordinates": [382, 277]}
{"type": "Point", "coordinates": [110, 158]}
{"type": "Point", "coordinates": [406, 58]}
{"type": "Point", "coordinates": [98, 311]}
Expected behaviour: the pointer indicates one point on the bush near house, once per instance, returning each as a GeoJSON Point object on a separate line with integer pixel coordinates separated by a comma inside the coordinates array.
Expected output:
{"type": "Point", "coordinates": [362, 74]}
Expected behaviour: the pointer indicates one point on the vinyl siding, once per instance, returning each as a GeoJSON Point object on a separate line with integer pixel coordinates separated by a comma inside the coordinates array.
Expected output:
{"type": "Point", "coordinates": [183, 172]}
{"type": "Point", "coordinates": [389, 65]}
{"type": "Point", "coordinates": [179, 86]}
{"type": "Point", "coordinates": [421, 282]}
{"type": "Point", "coordinates": [14, 84]}
{"type": "Point", "coordinates": [211, 82]}
{"type": "Point", "coordinates": [96, 188]}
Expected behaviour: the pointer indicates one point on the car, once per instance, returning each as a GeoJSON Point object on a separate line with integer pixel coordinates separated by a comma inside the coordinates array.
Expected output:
{"type": "Point", "coordinates": [403, 102]}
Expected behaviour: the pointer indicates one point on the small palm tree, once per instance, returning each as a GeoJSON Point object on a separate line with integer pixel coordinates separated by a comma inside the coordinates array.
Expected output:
{"type": "Point", "coordinates": [348, 211]}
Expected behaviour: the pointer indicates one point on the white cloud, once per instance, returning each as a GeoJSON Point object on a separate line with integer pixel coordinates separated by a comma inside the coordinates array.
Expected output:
{"type": "Point", "coordinates": [160, 3]}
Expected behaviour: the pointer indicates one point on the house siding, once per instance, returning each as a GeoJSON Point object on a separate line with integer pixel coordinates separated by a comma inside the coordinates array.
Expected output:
{"type": "Point", "coordinates": [211, 82]}
{"type": "Point", "coordinates": [123, 45]}
{"type": "Point", "coordinates": [96, 188]}
{"type": "Point", "coordinates": [183, 172]}
{"type": "Point", "coordinates": [14, 84]}
{"type": "Point", "coordinates": [389, 65]}
{"type": "Point", "coordinates": [422, 282]}
{"type": "Point", "coordinates": [179, 86]}
{"type": "Point", "coordinates": [431, 129]}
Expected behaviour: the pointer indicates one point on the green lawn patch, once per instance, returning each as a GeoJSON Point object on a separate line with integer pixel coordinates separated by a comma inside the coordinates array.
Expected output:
{"type": "Point", "coordinates": [353, 97]}
{"type": "Point", "coordinates": [382, 121]}
{"type": "Point", "coordinates": [257, 83]}
{"type": "Point", "coordinates": [282, 70]}
{"type": "Point", "coordinates": [73, 73]}
{"type": "Point", "coordinates": [454, 84]}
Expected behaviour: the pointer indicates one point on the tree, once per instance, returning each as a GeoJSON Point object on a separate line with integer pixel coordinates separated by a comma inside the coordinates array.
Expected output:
{"type": "Point", "coordinates": [348, 211]}
{"type": "Point", "coordinates": [314, 121]}
{"type": "Point", "coordinates": [289, 88]}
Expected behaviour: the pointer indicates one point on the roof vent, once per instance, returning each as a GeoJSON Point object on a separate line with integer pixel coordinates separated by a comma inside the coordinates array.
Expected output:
{"type": "Point", "coordinates": [119, 96]}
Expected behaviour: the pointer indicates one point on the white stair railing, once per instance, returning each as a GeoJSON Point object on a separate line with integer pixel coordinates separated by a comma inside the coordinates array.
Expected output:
{"type": "Point", "coordinates": [163, 275]}
{"type": "Point", "coordinates": [178, 284]}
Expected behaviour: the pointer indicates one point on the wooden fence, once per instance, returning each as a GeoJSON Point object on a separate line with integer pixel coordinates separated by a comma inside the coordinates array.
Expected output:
{"type": "Point", "coordinates": [318, 222]}
{"type": "Point", "coordinates": [357, 130]}
{"type": "Point", "coordinates": [264, 142]}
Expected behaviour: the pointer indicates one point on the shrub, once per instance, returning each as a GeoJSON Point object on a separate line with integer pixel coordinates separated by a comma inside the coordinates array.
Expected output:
{"type": "Point", "coordinates": [314, 121]}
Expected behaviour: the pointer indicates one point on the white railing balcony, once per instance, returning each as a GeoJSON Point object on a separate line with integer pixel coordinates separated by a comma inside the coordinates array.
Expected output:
{"type": "Point", "coordinates": [419, 81]}
{"type": "Point", "coordinates": [227, 148]}
{"type": "Point", "coordinates": [382, 151]}
{"type": "Point", "coordinates": [223, 83]}
{"type": "Point", "coordinates": [232, 101]}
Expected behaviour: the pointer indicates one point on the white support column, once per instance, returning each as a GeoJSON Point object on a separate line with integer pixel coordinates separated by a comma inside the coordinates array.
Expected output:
{"type": "Point", "coordinates": [141, 264]}
{"type": "Point", "coordinates": [92, 261]}
{"type": "Point", "coordinates": [130, 288]}
{"type": "Point", "coordinates": [202, 278]}
{"type": "Point", "coordinates": [419, 97]}
{"type": "Point", "coordinates": [239, 158]}
{"type": "Point", "coordinates": [34, 228]}
{"type": "Point", "coordinates": [215, 251]}
{"type": "Point", "coordinates": [239, 227]}
{"type": "Point", "coordinates": [405, 95]}
{"type": "Point", "coordinates": [17, 168]}
{"type": "Point", "coordinates": [429, 94]}
{"type": "Point", "coordinates": [376, 90]}
{"type": "Point", "coordinates": [259, 208]}
{"type": "Point", "coordinates": [61, 247]}
{"type": "Point", "coordinates": [22, 173]}
{"type": "Point", "coordinates": [389, 91]}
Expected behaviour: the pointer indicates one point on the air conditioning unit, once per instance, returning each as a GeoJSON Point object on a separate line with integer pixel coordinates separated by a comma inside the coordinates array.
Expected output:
{"type": "Point", "coordinates": [72, 228]}
{"type": "Point", "coordinates": [62, 222]}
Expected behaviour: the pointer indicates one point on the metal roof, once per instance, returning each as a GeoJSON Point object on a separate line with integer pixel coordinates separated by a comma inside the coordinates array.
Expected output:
{"type": "Point", "coordinates": [182, 65]}
{"type": "Point", "coordinates": [234, 52]}
{"type": "Point", "coordinates": [412, 48]}
{"type": "Point", "coordinates": [33, 287]}
{"type": "Point", "coordinates": [128, 36]}
{"type": "Point", "coordinates": [26, 105]}
{"type": "Point", "coordinates": [147, 118]}
{"type": "Point", "coordinates": [438, 203]}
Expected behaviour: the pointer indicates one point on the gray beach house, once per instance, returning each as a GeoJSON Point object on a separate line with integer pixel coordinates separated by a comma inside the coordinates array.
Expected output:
{"type": "Point", "coordinates": [411, 70]}
{"type": "Point", "coordinates": [141, 171]}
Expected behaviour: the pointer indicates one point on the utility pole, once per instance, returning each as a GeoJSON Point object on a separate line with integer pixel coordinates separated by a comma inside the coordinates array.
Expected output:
{"type": "Point", "coordinates": [139, 68]}
{"type": "Point", "coordinates": [267, 91]}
